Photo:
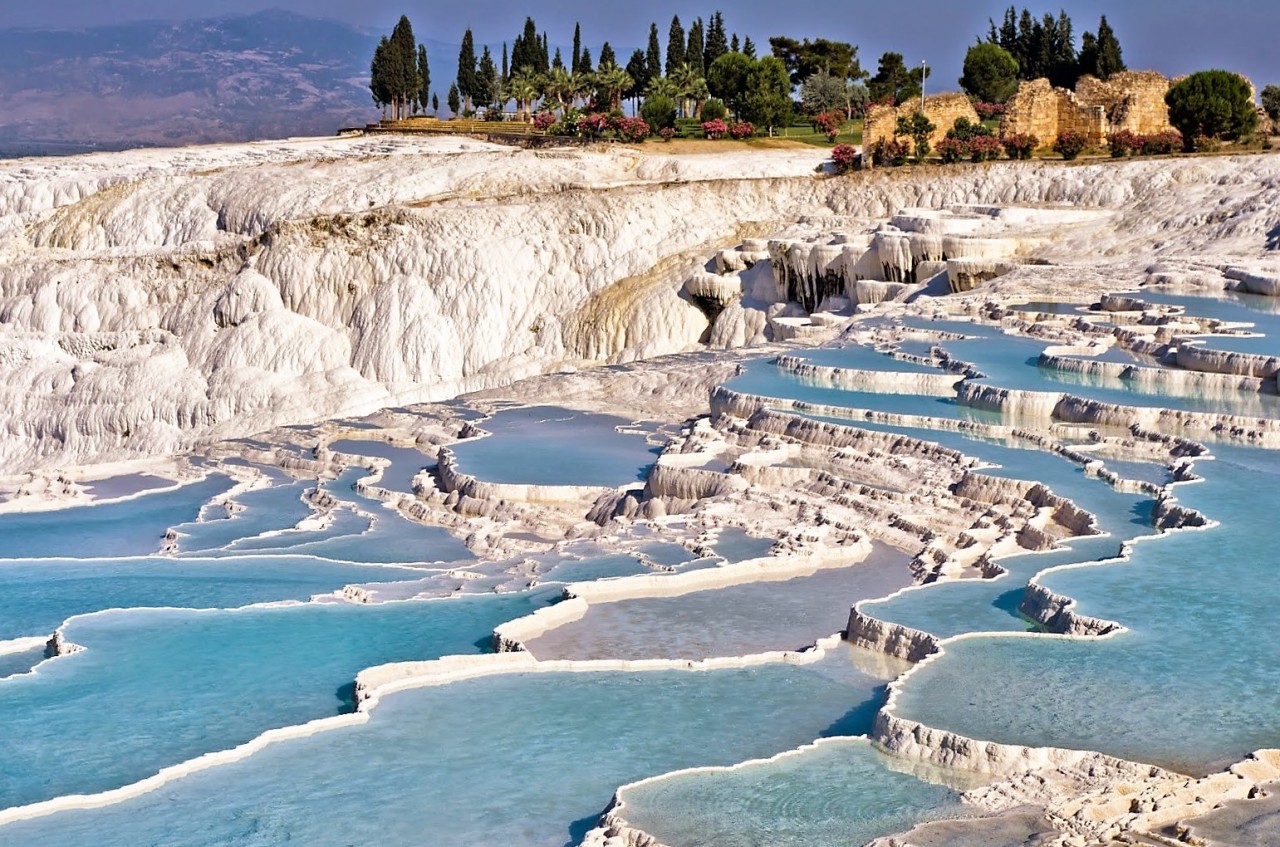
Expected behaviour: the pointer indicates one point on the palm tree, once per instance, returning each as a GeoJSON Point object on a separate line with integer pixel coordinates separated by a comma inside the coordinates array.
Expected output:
{"type": "Point", "coordinates": [611, 82]}
{"type": "Point", "coordinates": [559, 85]}
{"type": "Point", "coordinates": [661, 86]}
{"type": "Point", "coordinates": [583, 84]}
{"type": "Point", "coordinates": [685, 79]}
{"type": "Point", "coordinates": [524, 88]}
{"type": "Point", "coordinates": [700, 94]}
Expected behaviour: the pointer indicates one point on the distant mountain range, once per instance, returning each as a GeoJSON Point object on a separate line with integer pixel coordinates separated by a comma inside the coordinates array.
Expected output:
{"type": "Point", "coordinates": [267, 75]}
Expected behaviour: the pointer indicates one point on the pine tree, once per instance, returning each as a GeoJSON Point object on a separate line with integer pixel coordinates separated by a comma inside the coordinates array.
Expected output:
{"type": "Point", "coordinates": [735, 46]}
{"type": "Point", "coordinates": [1110, 60]}
{"type": "Point", "coordinates": [693, 51]}
{"type": "Point", "coordinates": [749, 48]}
{"type": "Point", "coordinates": [716, 45]}
{"type": "Point", "coordinates": [675, 45]}
{"type": "Point", "coordinates": [653, 57]}
{"type": "Point", "coordinates": [607, 56]}
{"type": "Point", "coordinates": [424, 77]}
{"type": "Point", "coordinates": [467, 81]}
{"type": "Point", "coordinates": [577, 47]}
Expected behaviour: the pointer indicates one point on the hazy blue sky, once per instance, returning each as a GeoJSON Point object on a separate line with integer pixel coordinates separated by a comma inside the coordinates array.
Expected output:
{"type": "Point", "coordinates": [1173, 36]}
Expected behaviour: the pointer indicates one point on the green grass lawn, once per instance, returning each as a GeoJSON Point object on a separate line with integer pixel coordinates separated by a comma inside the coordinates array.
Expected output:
{"type": "Point", "coordinates": [850, 133]}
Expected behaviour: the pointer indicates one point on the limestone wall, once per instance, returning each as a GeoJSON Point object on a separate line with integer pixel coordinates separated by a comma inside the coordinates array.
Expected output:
{"type": "Point", "coordinates": [941, 109]}
{"type": "Point", "coordinates": [1132, 100]}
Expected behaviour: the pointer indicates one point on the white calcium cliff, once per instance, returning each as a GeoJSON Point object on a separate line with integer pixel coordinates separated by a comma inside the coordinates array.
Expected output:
{"type": "Point", "coordinates": [152, 301]}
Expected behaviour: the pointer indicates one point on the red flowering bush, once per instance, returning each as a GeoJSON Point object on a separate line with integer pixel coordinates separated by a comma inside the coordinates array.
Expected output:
{"type": "Point", "coordinates": [952, 150]}
{"type": "Point", "coordinates": [715, 129]}
{"type": "Point", "coordinates": [741, 130]}
{"type": "Point", "coordinates": [593, 125]}
{"type": "Point", "coordinates": [890, 152]}
{"type": "Point", "coordinates": [988, 111]}
{"type": "Point", "coordinates": [633, 130]}
{"type": "Point", "coordinates": [846, 158]}
{"type": "Point", "coordinates": [543, 121]}
{"type": "Point", "coordinates": [1124, 143]}
{"type": "Point", "coordinates": [1018, 145]}
{"type": "Point", "coordinates": [984, 148]}
{"type": "Point", "coordinates": [829, 124]}
{"type": "Point", "coordinates": [1162, 143]}
{"type": "Point", "coordinates": [667, 133]}
{"type": "Point", "coordinates": [1070, 144]}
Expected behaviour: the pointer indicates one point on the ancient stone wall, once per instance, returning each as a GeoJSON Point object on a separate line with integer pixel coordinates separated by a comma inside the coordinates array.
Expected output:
{"type": "Point", "coordinates": [1132, 100]}
{"type": "Point", "coordinates": [941, 109]}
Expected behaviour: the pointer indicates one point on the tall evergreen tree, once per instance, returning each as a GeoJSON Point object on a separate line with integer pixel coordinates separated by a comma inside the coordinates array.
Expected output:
{"type": "Point", "coordinates": [675, 45]}
{"type": "Point", "coordinates": [607, 56]}
{"type": "Point", "coordinates": [749, 48]}
{"type": "Point", "coordinates": [717, 43]}
{"type": "Point", "coordinates": [506, 69]}
{"type": "Point", "coordinates": [653, 57]}
{"type": "Point", "coordinates": [693, 51]}
{"type": "Point", "coordinates": [380, 75]}
{"type": "Point", "coordinates": [402, 63]}
{"type": "Point", "coordinates": [435, 104]}
{"type": "Point", "coordinates": [424, 78]}
{"type": "Point", "coordinates": [1088, 59]}
{"type": "Point", "coordinates": [638, 70]}
{"type": "Point", "coordinates": [486, 80]}
{"type": "Point", "coordinates": [558, 62]}
{"type": "Point", "coordinates": [577, 47]}
{"type": "Point", "coordinates": [454, 100]}
{"type": "Point", "coordinates": [544, 57]}
{"type": "Point", "coordinates": [467, 80]}
{"type": "Point", "coordinates": [1110, 60]}
{"type": "Point", "coordinates": [527, 50]}
{"type": "Point", "coordinates": [585, 65]}
{"type": "Point", "coordinates": [735, 46]}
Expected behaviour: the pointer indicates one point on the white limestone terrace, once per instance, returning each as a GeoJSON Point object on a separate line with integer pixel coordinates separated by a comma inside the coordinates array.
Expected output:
{"type": "Point", "coordinates": [152, 302]}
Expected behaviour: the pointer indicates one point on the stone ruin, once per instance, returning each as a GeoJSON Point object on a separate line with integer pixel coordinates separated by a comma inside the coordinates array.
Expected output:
{"type": "Point", "coordinates": [1132, 100]}
{"type": "Point", "coordinates": [941, 109]}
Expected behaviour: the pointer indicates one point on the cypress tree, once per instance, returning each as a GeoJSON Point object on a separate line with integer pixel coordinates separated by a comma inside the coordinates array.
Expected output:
{"type": "Point", "coordinates": [693, 52]}
{"type": "Point", "coordinates": [467, 81]}
{"type": "Point", "coordinates": [734, 45]}
{"type": "Point", "coordinates": [486, 80]}
{"type": "Point", "coordinates": [577, 47]}
{"type": "Point", "coordinates": [653, 56]}
{"type": "Point", "coordinates": [455, 102]}
{"type": "Point", "coordinates": [424, 77]}
{"type": "Point", "coordinates": [585, 65]}
{"type": "Point", "coordinates": [544, 62]}
{"type": "Point", "coordinates": [1110, 60]}
{"type": "Point", "coordinates": [749, 48]}
{"type": "Point", "coordinates": [557, 62]}
{"type": "Point", "coordinates": [1088, 55]}
{"type": "Point", "coordinates": [716, 45]}
{"type": "Point", "coordinates": [379, 75]}
{"type": "Point", "coordinates": [527, 50]}
{"type": "Point", "coordinates": [675, 45]}
{"type": "Point", "coordinates": [638, 70]}
{"type": "Point", "coordinates": [403, 68]}
{"type": "Point", "coordinates": [607, 56]}
{"type": "Point", "coordinates": [506, 69]}
{"type": "Point", "coordinates": [435, 104]}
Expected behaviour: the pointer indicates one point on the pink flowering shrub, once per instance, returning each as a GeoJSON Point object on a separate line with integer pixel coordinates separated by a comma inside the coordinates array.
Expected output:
{"type": "Point", "coordinates": [989, 111]}
{"type": "Point", "coordinates": [667, 133]}
{"type": "Point", "coordinates": [543, 121]}
{"type": "Point", "coordinates": [846, 158]}
{"type": "Point", "coordinates": [633, 130]}
{"type": "Point", "coordinates": [829, 124]}
{"type": "Point", "coordinates": [952, 150]}
{"type": "Point", "coordinates": [715, 129]}
{"type": "Point", "coordinates": [1070, 144]}
{"type": "Point", "coordinates": [984, 148]}
{"type": "Point", "coordinates": [1019, 145]}
{"type": "Point", "coordinates": [741, 130]}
